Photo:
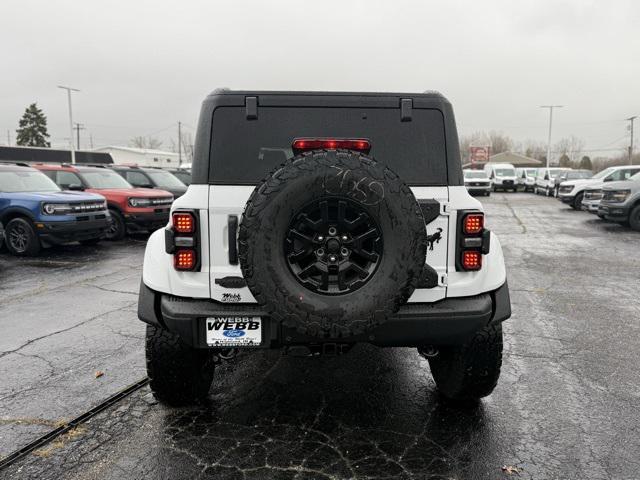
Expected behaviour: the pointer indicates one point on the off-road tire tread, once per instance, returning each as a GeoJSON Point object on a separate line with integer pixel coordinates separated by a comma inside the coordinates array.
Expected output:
{"type": "Point", "coordinates": [179, 375]}
{"type": "Point", "coordinates": [469, 372]}
{"type": "Point", "coordinates": [270, 294]}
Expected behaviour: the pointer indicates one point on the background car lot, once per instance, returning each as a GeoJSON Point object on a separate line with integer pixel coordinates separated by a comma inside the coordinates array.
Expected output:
{"type": "Point", "coordinates": [565, 407]}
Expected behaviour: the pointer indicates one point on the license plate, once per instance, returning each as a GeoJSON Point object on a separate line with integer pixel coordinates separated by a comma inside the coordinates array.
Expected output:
{"type": "Point", "coordinates": [234, 331]}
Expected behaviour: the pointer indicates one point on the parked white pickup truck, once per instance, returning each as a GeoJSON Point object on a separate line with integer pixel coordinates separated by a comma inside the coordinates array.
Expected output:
{"type": "Point", "coordinates": [572, 192]}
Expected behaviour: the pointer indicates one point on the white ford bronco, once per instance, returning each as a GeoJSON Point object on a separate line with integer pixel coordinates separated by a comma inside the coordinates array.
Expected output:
{"type": "Point", "coordinates": [315, 221]}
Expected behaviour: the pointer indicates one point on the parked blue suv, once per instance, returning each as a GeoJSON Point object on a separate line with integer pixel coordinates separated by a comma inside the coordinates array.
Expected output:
{"type": "Point", "coordinates": [35, 213]}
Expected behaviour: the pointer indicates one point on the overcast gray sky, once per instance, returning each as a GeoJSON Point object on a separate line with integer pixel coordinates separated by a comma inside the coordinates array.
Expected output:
{"type": "Point", "coordinates": [144, 65]}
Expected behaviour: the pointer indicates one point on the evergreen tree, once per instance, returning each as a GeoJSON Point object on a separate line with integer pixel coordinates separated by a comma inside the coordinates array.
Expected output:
{"type": "Point", "coordinates": [585, 163]}
{"type": "Point", "coordinates": [565, 161]}
{"type": "Point", "coordinates": [33, 128]}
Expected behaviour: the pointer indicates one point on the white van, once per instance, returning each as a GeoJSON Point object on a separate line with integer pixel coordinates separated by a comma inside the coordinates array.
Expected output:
{"type": "Point", "coordinates": [502, 176]}
{"type": "Point", "coordinates": [546, 180]}
{"type": "Point", "coordinates": [526, 178]}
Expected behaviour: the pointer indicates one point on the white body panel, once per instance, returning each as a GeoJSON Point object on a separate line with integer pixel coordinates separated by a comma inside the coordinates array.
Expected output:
{"type": "Point", "coordinates": [224, 201]}
{"type": "Point", "coordinates": [216, 203]}
{"type": "Point", "coordinates": [158, 272]}
{"type": "Point", "coordinates": [545, 180]}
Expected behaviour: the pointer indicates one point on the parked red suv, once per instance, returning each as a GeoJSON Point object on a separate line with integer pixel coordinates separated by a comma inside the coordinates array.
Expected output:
{"type": "Point", "coordinates": [132, 209]}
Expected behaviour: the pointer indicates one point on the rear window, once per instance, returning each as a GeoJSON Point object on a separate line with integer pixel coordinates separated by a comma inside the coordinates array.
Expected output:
{"type": "Point", "coordinates": [244, 151]}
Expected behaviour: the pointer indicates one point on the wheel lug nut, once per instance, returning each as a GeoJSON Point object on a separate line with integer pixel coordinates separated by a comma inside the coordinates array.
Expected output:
{"type": "Point", "coordinates": [344, 252]}
{"type": "Point", "coordinates": [320, 252]}
{"type": "Point", "coordinates": [332, 231]}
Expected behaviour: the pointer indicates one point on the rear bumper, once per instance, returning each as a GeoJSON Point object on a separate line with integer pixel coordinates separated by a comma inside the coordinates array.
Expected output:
{"type": "Point", "coordinates": [147, 221]}
{"type": "Point", "coordinates": [449, 321]}
{"type": "Point", "coordinates": [55, 233]}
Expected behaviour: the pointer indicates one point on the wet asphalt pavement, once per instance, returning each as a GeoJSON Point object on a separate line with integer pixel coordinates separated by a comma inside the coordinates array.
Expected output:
{"type": "Point", "coordinates": [566, 406]}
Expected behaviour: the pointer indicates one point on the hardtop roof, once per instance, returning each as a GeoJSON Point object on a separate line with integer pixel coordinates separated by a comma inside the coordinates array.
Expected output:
{"type": "Point", "coordinates": [306, 93]}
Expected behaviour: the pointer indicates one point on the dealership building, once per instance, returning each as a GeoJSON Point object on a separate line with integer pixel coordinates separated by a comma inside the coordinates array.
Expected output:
{"type": "Point", "coordinates": [143, 157]}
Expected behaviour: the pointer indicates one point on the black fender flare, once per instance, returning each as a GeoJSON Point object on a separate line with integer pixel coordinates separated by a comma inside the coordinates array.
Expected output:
{"type": "Point", "coordinates": [16, 211]}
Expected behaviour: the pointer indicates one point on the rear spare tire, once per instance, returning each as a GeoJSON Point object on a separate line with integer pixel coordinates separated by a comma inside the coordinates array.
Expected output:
{"type": "Point", "coordinates": [332, 243]}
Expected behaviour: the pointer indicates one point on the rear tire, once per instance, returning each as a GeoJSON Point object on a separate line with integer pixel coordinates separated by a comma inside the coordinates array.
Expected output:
{"type": "Point", "coordinates": [634, 218]}
{"type": "Point", "coordinates": [179, 374]}
{"type": "Point", "coordinates": [117, 228]}
{"type": "Point", "coordinates": [468, 372]}
{"type": "Point", "coordinates": [21, 238]}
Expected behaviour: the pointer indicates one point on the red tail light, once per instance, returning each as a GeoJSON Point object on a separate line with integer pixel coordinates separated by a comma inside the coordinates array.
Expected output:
{"type": "Point", "coordinates": [181, 240]}
{"type": "Point", "coordinates": [473, 240]}
{"type": "Point", "coordinates": [358, 144]}
{"type": "Point", "coordinates": [183, 222]}
{"type": "Point", "coordinates": [184, 259]}
{"type": "Point", "coordinates": [473, 223]}
{"type": "Point", "coordinates": [471, 260]}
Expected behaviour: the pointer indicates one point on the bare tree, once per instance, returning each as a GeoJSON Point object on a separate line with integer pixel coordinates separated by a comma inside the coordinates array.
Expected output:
{"type": "Point", "coordinates": [150, 143]}
{"type": "Point", "coordinates": [187, 146]}
{"type": "Point", "coordinates": [535, 149]}
{"type": "Point", "coordinates": [571, 147]}
{"type": "Point", "coordinates": [498, 141]}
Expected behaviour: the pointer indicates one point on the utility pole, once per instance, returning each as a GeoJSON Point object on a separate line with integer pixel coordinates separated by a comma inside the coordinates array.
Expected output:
{"type": "Point", "coordinates": [179, 144]}
{"type": "Point", "coordinates": [630, 120]}
{"type": "Point", "coordinates": [9, 138]}
{"type": "Point", "coordinates": [550, 107]}
{"type": "Point", "coordinates": [79, 126]}
{"type": "Point", "coordinates": [73, 151]}
{"type": "Point", "coordinates": [91, 140]}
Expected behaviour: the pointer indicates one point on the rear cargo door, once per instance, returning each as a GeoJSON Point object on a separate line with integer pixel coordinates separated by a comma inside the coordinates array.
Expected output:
{"type": "Point", "coordinates": [246, 148]}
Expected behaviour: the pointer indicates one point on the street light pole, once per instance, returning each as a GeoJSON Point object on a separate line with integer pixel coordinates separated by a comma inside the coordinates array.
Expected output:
{"type": "Point", "coordinates": [179, 144]}
{"type": "Point", "coordinates": [73, 150]}
{"type": "Point", "coordinates": [550, 107]}
{"type": "Point", "coordinates": [631, 119]}
{"type": "Point", "coordinates": [79, 126]}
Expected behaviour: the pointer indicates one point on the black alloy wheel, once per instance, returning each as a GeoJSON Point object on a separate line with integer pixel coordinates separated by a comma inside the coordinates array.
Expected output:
{"type": "Point", "coordinates": [117, 229]}
{"type": "Point", "coordinates": [21, 238]}
{"type": "Point", "coordinates": [333, 246]}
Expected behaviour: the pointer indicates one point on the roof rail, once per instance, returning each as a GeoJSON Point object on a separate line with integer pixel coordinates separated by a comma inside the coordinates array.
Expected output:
{"type": "Point", "coordinates": [95, 165]}
{"type": "Point", "coordinates": [12, 162]}
{"type": "Point", "coordinates": [128, 165]}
